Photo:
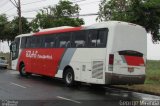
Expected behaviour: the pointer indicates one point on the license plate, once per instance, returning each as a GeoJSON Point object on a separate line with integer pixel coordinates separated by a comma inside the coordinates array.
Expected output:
{"type": "Point", "coordinates": [130, 69]}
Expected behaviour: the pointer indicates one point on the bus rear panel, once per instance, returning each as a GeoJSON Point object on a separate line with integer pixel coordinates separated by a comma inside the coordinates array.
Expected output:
{"type": "Point", "coordinates": [127, 55]}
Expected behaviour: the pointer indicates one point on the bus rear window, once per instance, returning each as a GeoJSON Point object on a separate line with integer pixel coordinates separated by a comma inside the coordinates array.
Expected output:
{"type": "Point", "coordinates": [130, 53]}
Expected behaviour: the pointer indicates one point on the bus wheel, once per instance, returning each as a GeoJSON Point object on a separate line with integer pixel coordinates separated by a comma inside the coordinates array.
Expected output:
{"type": "Point", "coordinates": [22, 71]}
{"type": "Point", "coordinates": [69, 77]}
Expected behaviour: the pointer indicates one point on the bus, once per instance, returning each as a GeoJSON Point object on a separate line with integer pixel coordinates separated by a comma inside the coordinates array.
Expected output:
{"type": "Point", "coordinates": [106, 53]}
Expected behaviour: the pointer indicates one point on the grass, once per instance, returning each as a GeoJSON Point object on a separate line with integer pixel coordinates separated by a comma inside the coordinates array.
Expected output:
{"type": "Point", "coordinates": [153, 72]}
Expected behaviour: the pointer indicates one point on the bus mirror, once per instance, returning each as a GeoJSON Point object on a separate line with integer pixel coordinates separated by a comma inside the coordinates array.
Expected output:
{"type": "Point", "coordinates": [10, 47]}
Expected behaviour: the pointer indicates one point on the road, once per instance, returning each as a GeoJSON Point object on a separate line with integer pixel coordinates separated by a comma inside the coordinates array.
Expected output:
{"type": "Point", "coordinates": [41, 91]}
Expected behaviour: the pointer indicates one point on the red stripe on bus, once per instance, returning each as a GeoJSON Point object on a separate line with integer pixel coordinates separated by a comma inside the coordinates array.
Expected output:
{"type": "Point", "coordinates": [58, 31]}
{"type": "Point", "coordinates": [134, 61]}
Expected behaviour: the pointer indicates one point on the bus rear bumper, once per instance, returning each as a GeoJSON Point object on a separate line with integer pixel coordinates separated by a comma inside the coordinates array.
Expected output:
{"type": "Point", "coordinates": [119, 79]}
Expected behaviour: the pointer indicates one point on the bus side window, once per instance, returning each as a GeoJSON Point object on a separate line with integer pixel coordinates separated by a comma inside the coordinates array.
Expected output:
{"type": "Point", "coordinates": [39, 42]}
{"type": "Point", "coordinates": [23, 42]}
{"type": "Point", "coordinates": [33, 42]}
{"type": "Point", "coordinates": [92, 38]}
{"type": "Point", "coordinates": [28, 42]}
{"type": "Point", "coordinates": [97, 37]}
{"type": "Point", "coordinates": [102, 38]}
{"type": "Point", "coordinates": [64, 40]}
{"type": "Point", "coordinates": [79, 39]}
{"type": "Point", "coordinates": [49, 41]}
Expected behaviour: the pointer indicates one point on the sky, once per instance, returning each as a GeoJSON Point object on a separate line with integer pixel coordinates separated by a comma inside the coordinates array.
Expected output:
{"type": "Point", "coordinates": [31, 7]}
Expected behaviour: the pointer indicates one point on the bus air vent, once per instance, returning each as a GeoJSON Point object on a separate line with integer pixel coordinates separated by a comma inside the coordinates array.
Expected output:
{"type": "Point", "coordinates": [97, 69]}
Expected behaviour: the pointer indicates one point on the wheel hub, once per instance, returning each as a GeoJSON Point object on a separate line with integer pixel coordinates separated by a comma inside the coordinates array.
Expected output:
{"type": "Point", "coordinates": [69, 78]}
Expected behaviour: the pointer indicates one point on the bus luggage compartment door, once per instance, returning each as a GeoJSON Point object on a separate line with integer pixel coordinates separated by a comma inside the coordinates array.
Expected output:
{"type": "Point", "coordinates": [98, 71]}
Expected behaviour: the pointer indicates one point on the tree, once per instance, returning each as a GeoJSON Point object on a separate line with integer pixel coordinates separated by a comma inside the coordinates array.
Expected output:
{"type": "Point", "coordinates": [59, 15]}
{"type": "Point", "coordinates": [152, 18]}
{"type": "Point", "coordinates": [143, 12]}
{"type": "Point", "coordinates": [15, 25]}
{"type": "Point", "coordinates": [3, 23]}
{"type": "Point", "coordinates": [113, 10]}
{"type": "Point", "coordinates": [8, 30]}
{"type": "Point", "coordinates": [12, 28]}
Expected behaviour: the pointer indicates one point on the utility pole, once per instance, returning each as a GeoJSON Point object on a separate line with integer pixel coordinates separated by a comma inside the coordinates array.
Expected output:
{"type": "Point", "coordinates": [18, 6]}
{"type": "Point", "coordinates": [19, 15]}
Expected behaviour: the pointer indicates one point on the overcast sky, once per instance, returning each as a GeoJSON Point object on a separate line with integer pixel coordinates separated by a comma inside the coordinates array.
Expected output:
{"type": "Point", "coordinates": [30, 8]}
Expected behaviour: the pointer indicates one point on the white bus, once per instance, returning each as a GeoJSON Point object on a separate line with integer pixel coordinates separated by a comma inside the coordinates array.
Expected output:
{"type": "Point", "coordinates": [110, 52]}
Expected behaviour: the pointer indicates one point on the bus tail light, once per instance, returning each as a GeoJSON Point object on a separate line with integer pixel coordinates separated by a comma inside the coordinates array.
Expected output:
{"type": "Point", "coordinates": [111, 59]}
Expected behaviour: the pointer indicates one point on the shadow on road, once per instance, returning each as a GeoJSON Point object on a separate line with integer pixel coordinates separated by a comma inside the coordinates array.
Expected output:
{"type": "Point", "coordinates": [97, 90]}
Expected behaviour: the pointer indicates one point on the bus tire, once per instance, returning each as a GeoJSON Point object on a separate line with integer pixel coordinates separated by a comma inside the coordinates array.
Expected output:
{"type": "Point", "coordinates": [22, 71]}
{"type": "Point", "coordinates": [69, 77]}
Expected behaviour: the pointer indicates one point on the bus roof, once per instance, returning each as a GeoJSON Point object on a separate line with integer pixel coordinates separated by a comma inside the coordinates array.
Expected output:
{"type": "Point", "coordinates": [55, 28]}
{"type": "Point", "coordinates": [106, 24]}
{"type": "Point", "coordinates": [58, 30]}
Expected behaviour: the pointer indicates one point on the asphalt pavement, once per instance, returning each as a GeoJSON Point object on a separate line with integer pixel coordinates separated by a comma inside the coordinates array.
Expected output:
{"type": "Point", "coordinates": [38, 90]}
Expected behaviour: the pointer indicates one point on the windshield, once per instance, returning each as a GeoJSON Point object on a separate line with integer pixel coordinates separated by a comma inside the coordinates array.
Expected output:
{"type": "Point", "coordinates": [15, 48]}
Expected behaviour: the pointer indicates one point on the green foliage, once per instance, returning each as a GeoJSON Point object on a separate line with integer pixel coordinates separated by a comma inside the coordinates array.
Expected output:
{"type": "Point", "coordinates": [9, 29]}
{"type": "Point", "coordinates": [3, 25]}
{"type": "Point", "coordinates": [143, 12]}
{"type": "Point", "coordinates": [112, 10]}
{"type": "Point", "coordinates": [59, 15]}
{"type": "Point", "coordinates": [15, 26]}
{"type": "Point", "coordinates": [153, 72]}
